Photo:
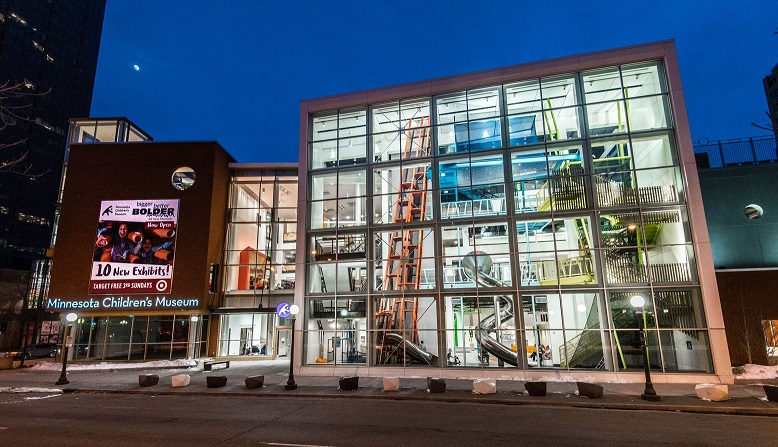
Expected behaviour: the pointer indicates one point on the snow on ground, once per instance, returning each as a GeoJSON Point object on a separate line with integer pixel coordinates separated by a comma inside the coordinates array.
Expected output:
{"type": "Point", "coordinates": [750, 372]}
{"type": "Point", "coordinates": [56, 366]}
{"type": "Point", "coordinates": [29, 390]}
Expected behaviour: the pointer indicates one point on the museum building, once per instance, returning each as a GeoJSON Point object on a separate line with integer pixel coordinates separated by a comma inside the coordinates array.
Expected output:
{"type": "Point", "coordinates": [505, 222]}
{"type": "Point", "coordinates": [502, 223]}
{"type": "Point", "coordinates": [189, 252]}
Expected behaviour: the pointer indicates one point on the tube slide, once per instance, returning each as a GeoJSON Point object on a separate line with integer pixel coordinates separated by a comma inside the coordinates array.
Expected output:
{"type": "Point", "coordinates": [411, 349]}
{"type": "Point", "coordinates": [477, 264]}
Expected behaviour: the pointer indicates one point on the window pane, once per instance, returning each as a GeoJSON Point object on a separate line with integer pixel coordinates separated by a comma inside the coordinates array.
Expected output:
{"type": "Point", "coordinates": [643, 79]}
{"type": "Point", "coordinates": [523, 97]}
{"type": "Point", "coordinates": [406, 331]}
{"type": "Point", "coordinates": [647, 113]}
{"type": "Point", "coordinates": [653, 151]}
{"type": "Point", "coordinates": [524, 129]}
{"type": "Point", "coordinates": [559, 92]}
{"type": "Point", "coordinates": [352, 123]}
{"type": "Point", "coordinates": [606, 118]}
{"type": "Point", "coordinates": [324, 127]}
{"type": "Point", "coordinates": [602, 85]}
{"type": "Point", "coordinates": [351, 151]}
{"type": "Point", "coordinates": [587, 349]}
{"type": "Point", "coordinates": [686, 351]}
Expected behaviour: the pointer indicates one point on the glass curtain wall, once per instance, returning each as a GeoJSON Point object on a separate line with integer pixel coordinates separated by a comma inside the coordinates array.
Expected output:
{"type": "Point", "coordinates": [262, 235]}
{"type": "Point", "coordinates": [504, 227]}
{"type": "Point", "coordinates": [135, 337]}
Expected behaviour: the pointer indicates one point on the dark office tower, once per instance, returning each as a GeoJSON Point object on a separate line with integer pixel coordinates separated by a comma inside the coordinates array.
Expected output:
{"type": "Point", "coordinates": [51, 46]}
{"type": "Point", "coordinates": [771, 93]}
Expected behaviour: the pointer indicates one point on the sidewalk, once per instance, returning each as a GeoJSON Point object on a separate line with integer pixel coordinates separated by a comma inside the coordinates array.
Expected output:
{"type": "Point", "coordinates": [744, 399]}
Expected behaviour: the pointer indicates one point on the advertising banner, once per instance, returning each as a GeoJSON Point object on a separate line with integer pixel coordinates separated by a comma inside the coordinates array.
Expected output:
{"type": "Point", "coordinates": [135, 247]}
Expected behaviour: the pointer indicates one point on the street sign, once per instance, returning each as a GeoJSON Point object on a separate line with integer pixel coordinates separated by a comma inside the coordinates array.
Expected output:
{"type": "Point", "coordinates": [283, 310]}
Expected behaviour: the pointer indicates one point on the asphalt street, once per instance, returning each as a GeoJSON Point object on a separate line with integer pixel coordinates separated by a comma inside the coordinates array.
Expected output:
{"type": "Point", "coordinates": [32, 419]}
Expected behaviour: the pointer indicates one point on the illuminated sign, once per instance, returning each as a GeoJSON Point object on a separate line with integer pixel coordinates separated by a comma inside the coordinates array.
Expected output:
{"type": "Point", "coordinates": [135, 247]}
{"type": "Point", "coordinates": [124, 302]}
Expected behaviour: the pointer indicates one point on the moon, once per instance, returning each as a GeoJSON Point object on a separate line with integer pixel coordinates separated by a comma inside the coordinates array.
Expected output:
{"type": "Point", "coordinates": [136, 67]}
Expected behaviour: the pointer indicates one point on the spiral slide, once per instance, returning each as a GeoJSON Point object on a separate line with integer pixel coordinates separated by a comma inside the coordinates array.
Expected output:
{"type": "Point", "coordinates": [477, 264]}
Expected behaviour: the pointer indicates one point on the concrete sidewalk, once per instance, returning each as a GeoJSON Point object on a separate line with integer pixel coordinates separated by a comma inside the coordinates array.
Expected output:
{"type": "Point", "coordinates": [744, 399]}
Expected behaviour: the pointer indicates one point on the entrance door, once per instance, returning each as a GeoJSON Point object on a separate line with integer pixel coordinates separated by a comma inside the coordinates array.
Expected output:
{"type": "Point", "coordinates": [245, 340]}
{"type": "Point", "coordinates": [282, 341]}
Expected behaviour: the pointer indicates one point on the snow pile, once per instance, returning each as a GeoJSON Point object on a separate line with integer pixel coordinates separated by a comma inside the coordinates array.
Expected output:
{"type": "Point", "coordinates": [29, 390]}
{"type": "Point", "coordinates": [55, 366]}
{"type": "Point", "coordinates": [752, 372]}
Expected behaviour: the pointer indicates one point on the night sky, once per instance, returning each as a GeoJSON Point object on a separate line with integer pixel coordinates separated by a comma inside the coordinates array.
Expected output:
{"type": "Point", "coordinates": [236, 71]}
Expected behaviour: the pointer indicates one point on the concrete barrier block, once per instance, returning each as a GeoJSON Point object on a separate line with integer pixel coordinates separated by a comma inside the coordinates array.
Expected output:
{"type": "Point", "coordinates": [255, 382]}
{"type": "Point", "coordinates": [148, 379]}
{"type": "Point", "coordinates": [771, 392]}
{"type": "Point", "coordinates": [436, 385]}
{"type": "Point", "coordinates": [484, 386]}
{"type": "Point", "coordinates": [180, 380]}
{"type": "Point", "coordinates": [216, 381]}
{"type": "Point", "coordinates": [348, 383]}
{"type": "Point", "coordinates": [391, 383]}
{"type": "Point", "coordinates": [712, 392]}
{"type": "Point", "coordinates": [535, 388]}
{"type": "Point", "coordinates": [590, 390]}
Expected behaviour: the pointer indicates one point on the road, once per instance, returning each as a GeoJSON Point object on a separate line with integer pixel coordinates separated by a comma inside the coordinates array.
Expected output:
{"type": "Point", "coordinates": [149, 420]}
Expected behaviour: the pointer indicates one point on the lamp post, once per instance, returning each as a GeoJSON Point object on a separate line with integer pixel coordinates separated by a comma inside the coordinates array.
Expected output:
{"type": "Point", "coordinates": [638, 302]}
{"type": "Point", "coordinates": [290, 385]}
{"type": "Point", "coordinates": [63, 377]}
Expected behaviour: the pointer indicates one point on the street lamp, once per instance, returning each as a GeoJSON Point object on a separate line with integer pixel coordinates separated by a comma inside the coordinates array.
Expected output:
{"type": "Point", "coordinates": [290, 385]}
{"type": "Point", "coordinates": [63, 378]}
{"type": "Point", "coordinates": [638, 302]}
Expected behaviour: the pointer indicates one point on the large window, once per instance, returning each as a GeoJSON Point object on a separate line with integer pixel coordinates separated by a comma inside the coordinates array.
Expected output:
{"type": "Point", "coordinates": [503, 226]}
{"type": "Point", "coordinates": [261, 237]}
{"type": "Point", "coordinates": [130, 337]}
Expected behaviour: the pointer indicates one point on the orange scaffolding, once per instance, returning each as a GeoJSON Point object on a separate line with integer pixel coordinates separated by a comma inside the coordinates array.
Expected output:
{"type": "Point", "coordinates": [403, 263]}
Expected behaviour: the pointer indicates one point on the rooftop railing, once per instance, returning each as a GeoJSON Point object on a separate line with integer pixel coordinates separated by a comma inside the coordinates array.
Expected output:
{"type": "Point", "coordinates": [737, 152]}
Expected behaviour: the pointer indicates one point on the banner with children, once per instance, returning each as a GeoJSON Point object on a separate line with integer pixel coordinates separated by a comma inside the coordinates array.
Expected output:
{"type": "Point", "coordinates": [135, 247]}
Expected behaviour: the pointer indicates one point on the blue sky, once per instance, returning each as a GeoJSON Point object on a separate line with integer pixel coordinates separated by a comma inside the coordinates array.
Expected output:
{"type": "Point", "coordinates": [236, 71]}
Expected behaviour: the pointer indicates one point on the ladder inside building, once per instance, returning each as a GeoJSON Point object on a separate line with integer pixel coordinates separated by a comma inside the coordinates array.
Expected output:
{"type": "Point", "coordinates": [403, 262]}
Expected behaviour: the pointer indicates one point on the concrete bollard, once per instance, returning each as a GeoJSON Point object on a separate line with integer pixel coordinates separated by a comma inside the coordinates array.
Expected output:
{"type": "Point", "coordinates": [215, 381]}
{"type": "Point", "coordinates": [484, 386]}
{"type": "Point", "coordinates": [535, 388]}
{"type": "Point", "coordinates": [255, 382]}
{"type": "Point", "coordinates": [436, 385]}
{"type": "Point", "coordinates": [391, 383]}
{"type": "Point", "coordinates": [771, 392]}
{"type": "Point", "coordinates": [348, 383]}
{"type": "Point", "coordinates": [180, 380]}
{"type": "Point", "coordinates": [590, 390]}
{"type": "Point", "coordinates": [148, 379]}
{"type": "Point", "coordinates": [712, 392]}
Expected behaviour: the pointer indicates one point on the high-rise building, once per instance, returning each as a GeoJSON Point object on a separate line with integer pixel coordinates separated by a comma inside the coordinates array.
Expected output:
{"type": "Point", "coordinates": [51, 47]}
{"type": "Point", "coordinates": [771, 93]}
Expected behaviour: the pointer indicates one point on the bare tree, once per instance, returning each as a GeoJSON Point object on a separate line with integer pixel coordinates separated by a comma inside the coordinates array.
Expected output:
{"type": "Point", "coordinates": [771, 125]}
{"type": "Point", "coordinates": [772, 121]}
{"type": "Point", "coordinates": [15, 106]}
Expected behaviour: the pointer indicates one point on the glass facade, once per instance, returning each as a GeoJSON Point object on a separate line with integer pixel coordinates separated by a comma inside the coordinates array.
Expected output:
{"type": "Point", "coordinates": [261, 236]}
{"type": "Point", "coordinates": [136, 337]}
{"type": "Point", "coordinates": [503, 227]}
{"type": "Point", "coordinates": [260, 261]}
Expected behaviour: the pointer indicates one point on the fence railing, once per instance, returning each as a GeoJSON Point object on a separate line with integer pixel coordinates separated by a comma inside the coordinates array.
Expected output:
{"type": "Point", "coordinates": [723, 153]}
